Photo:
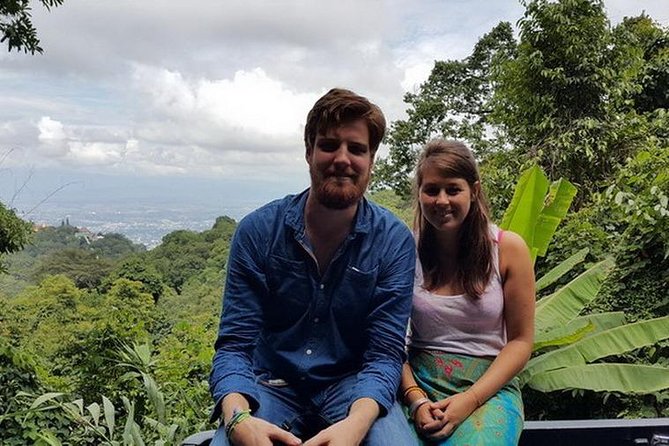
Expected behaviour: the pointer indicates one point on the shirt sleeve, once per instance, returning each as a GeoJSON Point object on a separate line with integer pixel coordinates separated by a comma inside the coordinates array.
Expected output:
{"type": "Point", "coordinates": [232, 368]}
{"type": "Point", "coordinates": [387, 323]}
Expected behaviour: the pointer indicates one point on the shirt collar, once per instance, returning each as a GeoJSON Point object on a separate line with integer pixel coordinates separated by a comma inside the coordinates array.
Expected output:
{"type": "Point", "coordinates": [295, 214]}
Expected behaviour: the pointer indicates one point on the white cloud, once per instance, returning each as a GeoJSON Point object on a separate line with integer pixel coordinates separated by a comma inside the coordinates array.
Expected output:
{"type": "Point", "coordinates": [415, 75]}
{"type": "Point", "coordinates": [95, 153]}
{"type": "Point", "coordinates": [254, 102]}
{"type": "Point", "coordinates": [52, 138]}
{"type": "Point", "coordinates": [50, 130]}
{"type": "Point", "coordinates": [249, 102]}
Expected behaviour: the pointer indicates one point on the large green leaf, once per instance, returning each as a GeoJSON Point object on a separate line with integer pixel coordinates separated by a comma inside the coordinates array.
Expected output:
{"type": "Point", "coordinates": [577, 329]}
{"type": "Point", "coordinates": [602, 321]}
{"type": "Point", "coordinates": [563, 268]}
{"type": "Point", "coordinates": [44, 398]}
{"type": "Point", "coordinates": [155, 396]}
{"type": "Point", "coordinates": [110, 415]}
{"type": "Point", "coordinates": [613, 341]}
{"type": "Point", "coordinates": [563, 335]}
{"type": "Point", "coordinates": [560, 196]}
{"type": "Point", "coordinates": [626, 378]}
{"type": "Point", "coordinates": [535, 210]}
{"type": "Point", "coordinates": [528, 199]}
{"type": "Point", "coordinates": [566, 303]}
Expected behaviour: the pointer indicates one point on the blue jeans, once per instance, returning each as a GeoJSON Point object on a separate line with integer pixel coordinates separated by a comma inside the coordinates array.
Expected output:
{"type": "Point", "coordinates": [306, 416]}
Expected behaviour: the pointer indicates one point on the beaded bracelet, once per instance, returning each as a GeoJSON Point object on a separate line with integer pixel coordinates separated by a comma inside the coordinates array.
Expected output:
{"type": "Point", "coordinates": [237, 417]}
{"type": "Point", "coordinates": [415, 405]}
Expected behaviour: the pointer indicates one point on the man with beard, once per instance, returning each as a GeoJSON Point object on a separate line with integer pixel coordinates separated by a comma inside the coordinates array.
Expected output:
{"type": "Point", "coordinates": [317, 297]}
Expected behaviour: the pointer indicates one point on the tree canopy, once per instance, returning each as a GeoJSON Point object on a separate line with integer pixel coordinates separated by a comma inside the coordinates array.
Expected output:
{"type": "Point", "coordinates": [16, 25]}
{"type": "Point", "coordinates": [574, 94]}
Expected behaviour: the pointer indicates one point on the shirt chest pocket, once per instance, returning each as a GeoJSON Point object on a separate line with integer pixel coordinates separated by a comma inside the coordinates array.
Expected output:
{"type": "Point", "coordinates": [353, 297]}
{"type": "Point", "coordinates": [289, 291]}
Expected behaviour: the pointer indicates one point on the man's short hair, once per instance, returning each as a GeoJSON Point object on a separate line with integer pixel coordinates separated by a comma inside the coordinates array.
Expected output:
{"type": "Point", "coordinates": [339, 106]}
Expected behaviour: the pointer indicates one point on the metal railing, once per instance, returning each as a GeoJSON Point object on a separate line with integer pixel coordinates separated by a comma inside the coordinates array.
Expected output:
{"type": "Point", "coordinates": [623, 432]}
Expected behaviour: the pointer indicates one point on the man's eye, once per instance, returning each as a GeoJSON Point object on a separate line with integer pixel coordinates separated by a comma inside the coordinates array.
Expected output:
{"type": "Point", "coordinates": [327, 146]}
{"type": "Point", "coordinates": [357, 149]}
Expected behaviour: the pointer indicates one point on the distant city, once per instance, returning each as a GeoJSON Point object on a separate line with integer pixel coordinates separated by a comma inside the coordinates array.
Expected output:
{"type": "Point", "coordinates": [144, 209]}
{"type": "Point", "coordinates": [142, 224]}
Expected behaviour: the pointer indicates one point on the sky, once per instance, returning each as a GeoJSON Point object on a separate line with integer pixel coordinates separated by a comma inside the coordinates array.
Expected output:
{"type": "Point", "coordinates": [165, 98]}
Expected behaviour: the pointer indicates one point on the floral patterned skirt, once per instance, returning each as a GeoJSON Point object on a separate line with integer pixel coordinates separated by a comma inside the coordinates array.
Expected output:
{"type": "Point", "coordinates": [499, 421]}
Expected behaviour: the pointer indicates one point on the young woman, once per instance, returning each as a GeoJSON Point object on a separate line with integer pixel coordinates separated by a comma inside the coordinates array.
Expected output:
{"type": "Point", "coordinates": [472, 321]}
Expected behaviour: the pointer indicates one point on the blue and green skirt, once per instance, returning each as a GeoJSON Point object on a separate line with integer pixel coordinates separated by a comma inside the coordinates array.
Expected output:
{"type": "Point", "coordinates": [499, 421]}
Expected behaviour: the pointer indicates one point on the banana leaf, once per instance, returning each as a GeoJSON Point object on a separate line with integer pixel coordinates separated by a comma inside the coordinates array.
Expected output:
{"type": "Point", "coordinates": [560, 196]}
{"type": "Point", "coordinates": [528, 200]}
{"type": "Point", "coordinates": [613, 341]}
{"type": "Point", "coordinates": [566, 303]}
{"type": "Point", "coordinates": [536, 209]}
{"type": "Point", "coordinates": [603, 321]}
{"type": "Point", "coordinates": [563, 336]}
{"type": "Point", "coordinates": [577, 329]}
{"type": "Point", "coordinates": [563, 268]}
{"type": "Point", "coordinates": [625, 378]}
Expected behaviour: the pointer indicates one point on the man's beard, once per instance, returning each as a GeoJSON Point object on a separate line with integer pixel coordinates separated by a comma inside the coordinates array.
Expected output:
{"type": "Point", "coordinates": [334, 194]}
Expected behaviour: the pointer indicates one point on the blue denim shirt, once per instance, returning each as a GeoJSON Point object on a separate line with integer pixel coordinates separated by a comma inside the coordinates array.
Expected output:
{"type": "Point", "coordinates": [282, 320]}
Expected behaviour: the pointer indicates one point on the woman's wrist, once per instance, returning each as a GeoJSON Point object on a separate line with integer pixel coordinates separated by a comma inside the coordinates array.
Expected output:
{"type": "Point", "coordinates": [475, 396]}
{"type": "Point", "coordinates": [412, 390]}
{"type": "Point", "coordinates": [415, 405]}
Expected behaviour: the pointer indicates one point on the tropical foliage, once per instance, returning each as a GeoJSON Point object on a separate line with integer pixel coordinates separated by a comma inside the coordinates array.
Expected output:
{"type": "Point", "coordinates": [566, 343]}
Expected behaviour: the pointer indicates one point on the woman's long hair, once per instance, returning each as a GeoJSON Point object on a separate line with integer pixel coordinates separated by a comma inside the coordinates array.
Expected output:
{"type": "Point", "coordinates": [474, 264]}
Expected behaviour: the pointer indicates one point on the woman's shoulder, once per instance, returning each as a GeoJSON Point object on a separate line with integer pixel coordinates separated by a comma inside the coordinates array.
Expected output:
{"type": "Point", "coordinates": [512, 251]}
{"type": "Point", "coordinates": [509, 240]}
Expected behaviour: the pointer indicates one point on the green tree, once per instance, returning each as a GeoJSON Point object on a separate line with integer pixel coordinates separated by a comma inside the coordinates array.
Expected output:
{"type": "Point", "coordinates": [648, 43]}
{"type": "Point", "coordinates": [574, 95]}
{"type": "Point", "coordinates": [16, 25]}
{"type": "Point", "coordinates": [115, 246]}
{"type": "Point", "coordinates": [85, 268]}
{"type": "Point", "coordinates": [18, 424]}
{"type": "Point", "coordinates": [637, 207]}
{"type": "Point", "coordinates": [138, 269]}
{"type": "Point", "coordinates": [577, 96]}
{"type": "Point", "coordinates": [453, 103]}
{"type": "Point", "coordinates": [182, 255]}
{"type": "Point", "coordinates": [14, 233]}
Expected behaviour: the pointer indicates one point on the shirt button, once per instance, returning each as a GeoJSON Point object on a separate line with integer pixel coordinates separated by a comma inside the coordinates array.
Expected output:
{"type": "Point", "coordinates": [309, 351]}
{"type": "Point", "coordinates": [316, 320]}
{"type": "Point", "coordinates": [322, 286]}
{"type": "Point", "coordinates": [302, 378]}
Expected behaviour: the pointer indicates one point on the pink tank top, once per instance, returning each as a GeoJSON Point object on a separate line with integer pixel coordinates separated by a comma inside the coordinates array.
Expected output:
{"type": "Point", "coordinates": [460, 324]}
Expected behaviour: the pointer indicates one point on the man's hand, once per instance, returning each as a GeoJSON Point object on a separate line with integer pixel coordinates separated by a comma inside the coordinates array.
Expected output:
{"type": "Point", "coordinates": [347, 432]}
{"type": "Point", "coordinates": [253, 431]}
{"type": "Point", "coordinates": [258, 432]}
{"type": "Point", "coordinates": [351, 430]}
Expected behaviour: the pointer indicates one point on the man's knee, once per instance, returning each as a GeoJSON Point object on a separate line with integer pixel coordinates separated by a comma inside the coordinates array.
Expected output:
{"type": "Point", "coordinates": [392, 429]}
